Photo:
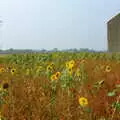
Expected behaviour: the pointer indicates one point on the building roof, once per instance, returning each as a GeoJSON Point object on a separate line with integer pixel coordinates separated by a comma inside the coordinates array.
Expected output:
{"type": "Point", "coordinates": [114, 18]}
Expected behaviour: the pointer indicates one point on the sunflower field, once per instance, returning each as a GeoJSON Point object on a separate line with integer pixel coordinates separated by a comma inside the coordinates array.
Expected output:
{"type": "Point", "coordinates": [60, 86]}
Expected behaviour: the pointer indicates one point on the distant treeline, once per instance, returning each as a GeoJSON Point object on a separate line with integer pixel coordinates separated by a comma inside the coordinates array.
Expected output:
{"type": "Point", "coordinates": [16, 51]}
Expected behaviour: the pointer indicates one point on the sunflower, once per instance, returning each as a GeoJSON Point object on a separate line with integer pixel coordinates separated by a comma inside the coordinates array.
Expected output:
{"type": "Point", "coordinates": [2, 70]}
{"type": "Point", "coordinates": [107, 68]}
{"type": "Point", "coordinates": [83, 101]}
{"type": "Point", "coordinates": [50, 67]}
{"type": "Point", "coordinates": [13, 71]}
{"type": "Point", "coordinates": [70, 71]}
{"type": "Point", "coordinates": [67, 64]}
{"type": "Point", "coordinates": [53, 78]}
{"type": "Point", "coordinates": [57, 74]}
{"type": "Point", "coordinates": [5, 85]}
{"type": "Point", "coordinates": [70, 64]}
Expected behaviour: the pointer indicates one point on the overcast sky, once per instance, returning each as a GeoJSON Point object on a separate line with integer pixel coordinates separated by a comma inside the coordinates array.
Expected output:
{"type": "Point", "coordinates": [62, 24]}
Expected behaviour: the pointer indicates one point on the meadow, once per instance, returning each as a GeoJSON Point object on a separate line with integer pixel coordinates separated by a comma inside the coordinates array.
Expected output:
{"type": "Point", "coordinates": [60, 86]}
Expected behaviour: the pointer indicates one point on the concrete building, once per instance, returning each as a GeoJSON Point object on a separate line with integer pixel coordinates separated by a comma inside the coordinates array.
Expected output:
{"type": "Point", "coordinates": [113, 34]}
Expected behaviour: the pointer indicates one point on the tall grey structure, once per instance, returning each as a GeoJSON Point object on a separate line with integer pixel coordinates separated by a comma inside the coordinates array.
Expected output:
{"type": "Point", "coordinates": [113, 34]}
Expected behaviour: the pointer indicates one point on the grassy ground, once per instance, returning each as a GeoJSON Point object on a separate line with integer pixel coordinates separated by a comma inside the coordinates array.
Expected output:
{"type": "Point", "coordinates": [60, 86]}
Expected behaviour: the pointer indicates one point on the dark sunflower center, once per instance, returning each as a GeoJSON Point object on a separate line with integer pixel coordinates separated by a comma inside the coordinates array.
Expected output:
{"type": "Point", "coordinates": [5, 85]}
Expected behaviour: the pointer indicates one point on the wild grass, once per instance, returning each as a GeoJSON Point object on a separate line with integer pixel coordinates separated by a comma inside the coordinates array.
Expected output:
{"type": "Point", "coordinates": [29, 92]}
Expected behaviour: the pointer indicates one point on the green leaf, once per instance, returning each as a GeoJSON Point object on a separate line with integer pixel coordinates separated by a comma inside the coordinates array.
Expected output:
{"type": "Point", "coordinates": [110, 94]}
{"type": "Point", "coordinates": [116, 105]}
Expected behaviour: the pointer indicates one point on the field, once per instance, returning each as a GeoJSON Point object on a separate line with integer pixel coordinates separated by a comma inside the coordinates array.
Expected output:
{"type": "Point", "coordinates": [60, 86]}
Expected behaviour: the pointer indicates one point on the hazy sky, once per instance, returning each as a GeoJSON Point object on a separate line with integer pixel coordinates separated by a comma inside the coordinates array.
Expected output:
{"type": "Point", "coordinates": [58, 24]}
